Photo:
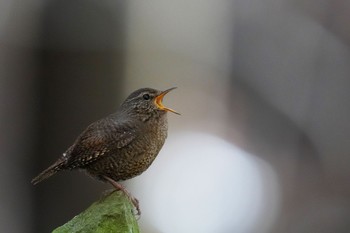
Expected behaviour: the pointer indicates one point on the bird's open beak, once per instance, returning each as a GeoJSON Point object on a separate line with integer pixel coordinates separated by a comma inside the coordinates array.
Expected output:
{"type": "Point", "coordinates": [158, 101]}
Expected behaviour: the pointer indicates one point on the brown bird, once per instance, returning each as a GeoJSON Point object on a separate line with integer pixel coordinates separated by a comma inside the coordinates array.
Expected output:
{"type": "Point", "coordinates": [120, 146]}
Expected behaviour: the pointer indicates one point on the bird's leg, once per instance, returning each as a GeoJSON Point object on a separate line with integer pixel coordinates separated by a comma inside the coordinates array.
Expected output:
{"type": "Point", "coordinates": [118, 186]}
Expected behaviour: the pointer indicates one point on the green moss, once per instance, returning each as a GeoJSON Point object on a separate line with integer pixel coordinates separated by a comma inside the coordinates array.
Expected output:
{"type": "Point", "coordinates": [113, 213]}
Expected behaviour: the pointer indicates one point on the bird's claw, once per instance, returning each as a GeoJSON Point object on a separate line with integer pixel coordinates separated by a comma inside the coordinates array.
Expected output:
{"type": "Point", "coordinates": [135, 202]}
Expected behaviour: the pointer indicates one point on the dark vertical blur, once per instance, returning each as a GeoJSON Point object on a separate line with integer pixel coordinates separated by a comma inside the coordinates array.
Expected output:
{"type": "Point", "coordinates": [291, 74]}
{"type": "Point", "coordinates": [80, 78]}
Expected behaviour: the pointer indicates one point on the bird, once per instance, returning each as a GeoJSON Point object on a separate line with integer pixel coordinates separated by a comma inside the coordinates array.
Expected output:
{"type": "Point", "coordinates": [120, 146]}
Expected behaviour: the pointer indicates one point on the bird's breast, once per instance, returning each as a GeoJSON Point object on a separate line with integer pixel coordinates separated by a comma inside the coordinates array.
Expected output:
{"type": "Point", "coordinates": [136, 157]}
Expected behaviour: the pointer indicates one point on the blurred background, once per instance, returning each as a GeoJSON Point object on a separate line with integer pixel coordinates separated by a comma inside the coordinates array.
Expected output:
{"type": "Point", "coordinates": [263, 87]}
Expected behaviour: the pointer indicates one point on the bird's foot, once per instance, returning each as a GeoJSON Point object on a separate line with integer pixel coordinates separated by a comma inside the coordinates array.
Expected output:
{"type": "Point", "coordinates": [135, 202]}
{"type": "Point", "coordinates": [120, 187]}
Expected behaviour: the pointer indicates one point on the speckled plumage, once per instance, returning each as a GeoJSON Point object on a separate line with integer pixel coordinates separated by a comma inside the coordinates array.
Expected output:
{"type": "Point", "coordinates": [120, 146]}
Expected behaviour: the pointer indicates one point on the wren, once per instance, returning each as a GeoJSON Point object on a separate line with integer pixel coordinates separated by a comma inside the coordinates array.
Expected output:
{"type": "Point", "coordinates": [120, 146]}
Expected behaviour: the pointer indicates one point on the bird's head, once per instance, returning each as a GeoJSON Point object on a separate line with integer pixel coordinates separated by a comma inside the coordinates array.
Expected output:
{"type": "Point", "coordinates": [147, 102]}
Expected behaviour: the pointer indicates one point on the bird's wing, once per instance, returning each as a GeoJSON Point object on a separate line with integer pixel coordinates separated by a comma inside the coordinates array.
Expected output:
{"type": "Point", "coordinates": [97, 141]}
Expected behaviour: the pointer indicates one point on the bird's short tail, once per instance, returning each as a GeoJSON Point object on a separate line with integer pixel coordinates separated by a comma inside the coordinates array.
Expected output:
{"type": "Point", "coordinates": [57, 166]}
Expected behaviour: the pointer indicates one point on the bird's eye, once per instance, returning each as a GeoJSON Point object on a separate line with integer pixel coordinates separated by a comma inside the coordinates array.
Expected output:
{"type": "Point", "coordinates": [146, 96]}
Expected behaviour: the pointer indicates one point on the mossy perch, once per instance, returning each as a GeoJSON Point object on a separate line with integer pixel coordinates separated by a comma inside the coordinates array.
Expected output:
{"type": "Point", "coordinates": [113, 213]}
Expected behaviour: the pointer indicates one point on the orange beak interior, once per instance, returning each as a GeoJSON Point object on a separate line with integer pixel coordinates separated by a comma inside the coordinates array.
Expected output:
{"type": "Point", "coordinates": [158, 101]}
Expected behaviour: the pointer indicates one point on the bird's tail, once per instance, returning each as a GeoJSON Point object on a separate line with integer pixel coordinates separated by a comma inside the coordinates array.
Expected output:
{"type": "Point", "coordinates": [57, 166]}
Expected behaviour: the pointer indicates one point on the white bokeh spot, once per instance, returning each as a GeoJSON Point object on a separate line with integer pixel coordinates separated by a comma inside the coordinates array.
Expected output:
{"type": "Point", "coordinates": [201, 183]}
